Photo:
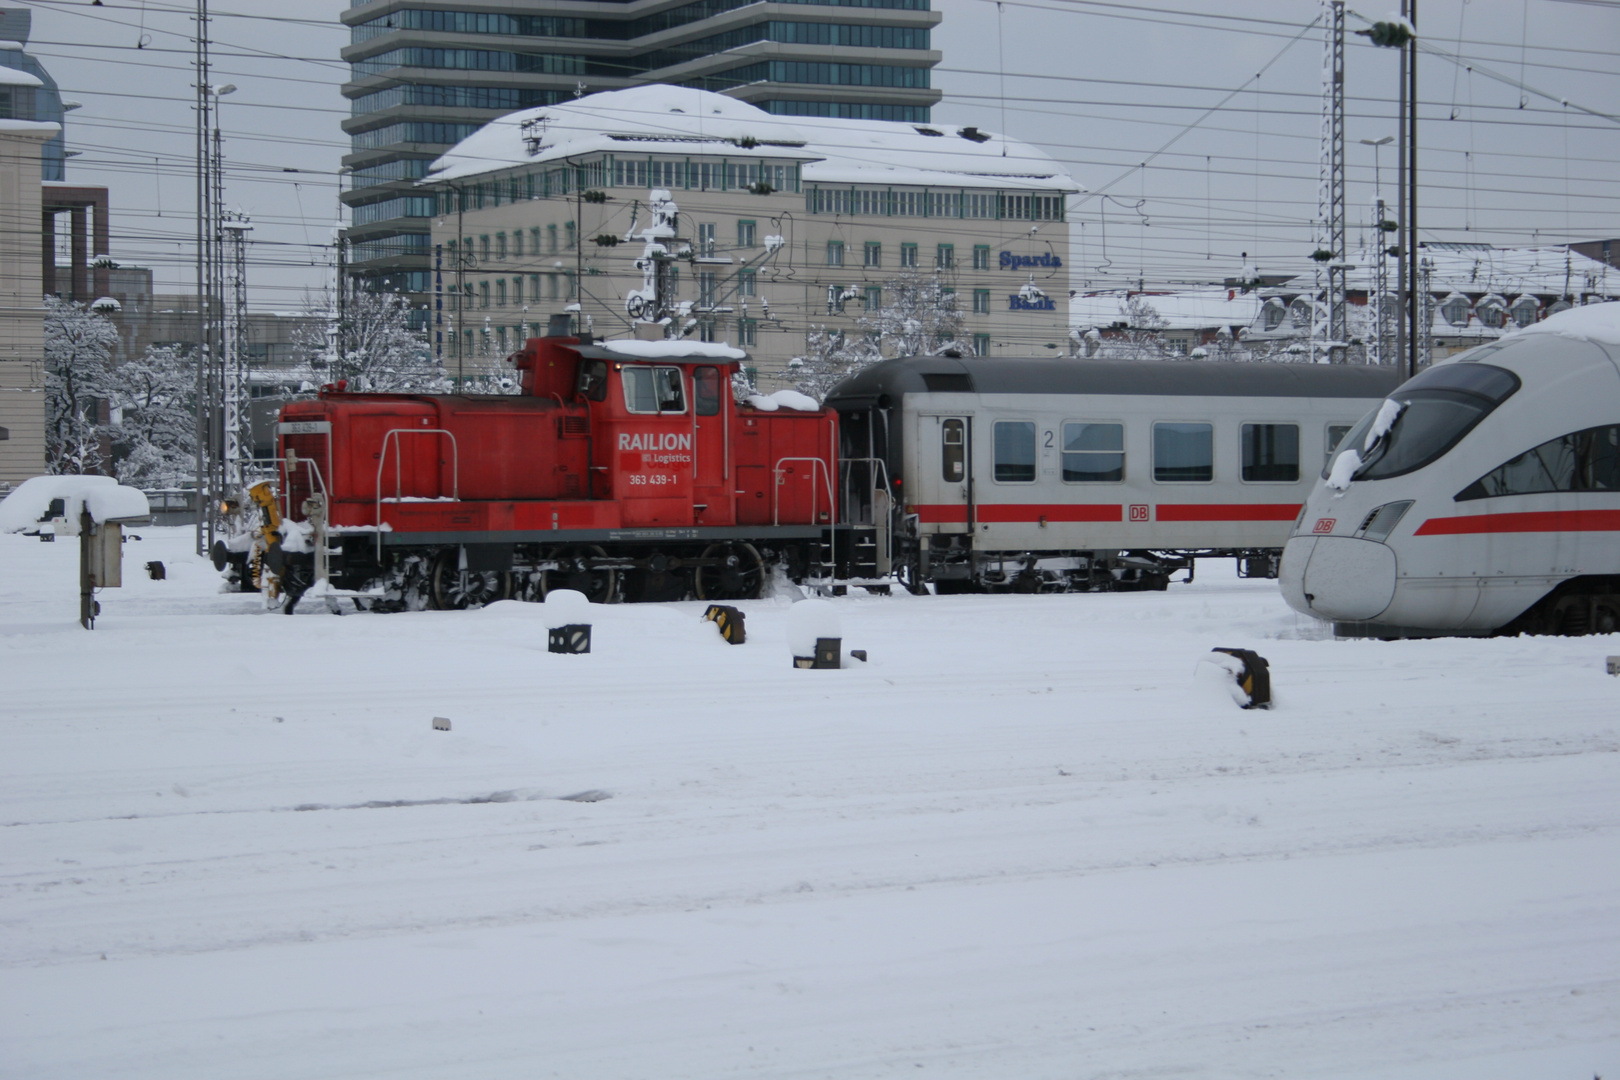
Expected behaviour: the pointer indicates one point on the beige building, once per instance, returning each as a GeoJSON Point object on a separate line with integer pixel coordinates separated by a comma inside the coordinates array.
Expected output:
{"type": "Point", "coordinates": [784, 226]}
{"type": "Point", "coordinates": [22, 358]}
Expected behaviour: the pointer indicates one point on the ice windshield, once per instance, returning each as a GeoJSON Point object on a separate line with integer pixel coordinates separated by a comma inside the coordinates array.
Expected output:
{"type": "Point", "coordinates": [1438, 407]}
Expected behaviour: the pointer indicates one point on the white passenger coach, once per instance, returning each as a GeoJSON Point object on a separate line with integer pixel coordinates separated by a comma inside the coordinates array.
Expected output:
{"type": "Point", "coordinates": [1052, 474]}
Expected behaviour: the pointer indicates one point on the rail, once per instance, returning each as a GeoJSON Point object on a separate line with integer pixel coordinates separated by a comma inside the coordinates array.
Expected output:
{"type": "Point", "coordinates": [820, 470]}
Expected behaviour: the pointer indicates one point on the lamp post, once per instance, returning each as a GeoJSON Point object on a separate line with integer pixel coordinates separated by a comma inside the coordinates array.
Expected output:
{"type": "Point", "coordinates": [1380, 268]}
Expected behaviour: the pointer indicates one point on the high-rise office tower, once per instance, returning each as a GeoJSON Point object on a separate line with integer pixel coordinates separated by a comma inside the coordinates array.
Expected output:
{"type": "Point", "coordinates": [427, 73]}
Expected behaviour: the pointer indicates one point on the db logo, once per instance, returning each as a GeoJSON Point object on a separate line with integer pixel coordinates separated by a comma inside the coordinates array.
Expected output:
{"type": "Point", "coordinates": [1325, 525]}
{"type": "Point", "coordinates": [1139, 512]}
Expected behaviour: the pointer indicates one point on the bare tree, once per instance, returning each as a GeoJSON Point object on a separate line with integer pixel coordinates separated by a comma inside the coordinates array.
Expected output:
{"type": "Point", "coordinates": [153, 426]}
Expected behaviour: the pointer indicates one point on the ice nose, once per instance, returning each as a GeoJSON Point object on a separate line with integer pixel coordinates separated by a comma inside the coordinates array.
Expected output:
{"type": "Point", "coordinates": [1291, 571]}
{"type": "Point", "coordinates": [1342, 578]}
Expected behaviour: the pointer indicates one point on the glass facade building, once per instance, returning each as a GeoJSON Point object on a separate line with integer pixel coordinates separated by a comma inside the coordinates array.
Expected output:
{"type": "Point", "coordinates": [424, 74]}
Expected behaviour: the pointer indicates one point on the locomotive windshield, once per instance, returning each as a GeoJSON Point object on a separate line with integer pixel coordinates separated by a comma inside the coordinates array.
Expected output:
{"type": "Point", "coordinates": [1437, 408]}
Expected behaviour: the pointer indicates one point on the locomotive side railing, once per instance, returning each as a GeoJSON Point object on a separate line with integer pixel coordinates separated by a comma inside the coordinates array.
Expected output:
{"type": "Point", "coordinates": [399, 465]}
{"type": "Point", "coordinates": [818, 471]}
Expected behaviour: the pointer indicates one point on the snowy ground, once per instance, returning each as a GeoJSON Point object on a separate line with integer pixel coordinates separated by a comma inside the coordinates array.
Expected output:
{"type": "Point", "coordinates": [1032, 838]}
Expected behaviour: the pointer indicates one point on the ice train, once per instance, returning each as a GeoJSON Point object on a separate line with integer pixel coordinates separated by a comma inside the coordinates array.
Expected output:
{"type": "Point", "coordinates": [1482, 497]}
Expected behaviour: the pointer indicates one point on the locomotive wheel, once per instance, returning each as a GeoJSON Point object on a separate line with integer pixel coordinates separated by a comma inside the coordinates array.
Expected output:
{"type": "Point", "coordinates": [454, 589]}
{"type": "Point", "coordinates": [297, 575]}
{"type": "Point", "coordinates": [737, 573]}
{"type": "Point", "coordinates": [599, 586]}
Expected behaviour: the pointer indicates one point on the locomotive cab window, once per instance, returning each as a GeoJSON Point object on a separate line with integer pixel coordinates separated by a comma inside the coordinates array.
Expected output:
{"type": "Point", "coordinates": [1183, 453]}
{"type": "Point", "coordinates": [593, 379]}
{"type": "Point", "coordinates": [653, 390]}
{"type": "Point", "coordinates": [1581, 461]}
{"type": "Point", "coordinates": [706, 390]}
{"type": "Point", "coordinates": [1271, 453]}
{"type": "Point", "coordinates": [1015, 451]}
{"type": "Point", "coordinates": [953, 450]}
{"type": "Point", "coordinates": [1093, 453]}
{"type": "Point", "coordinates": [1437, 408]}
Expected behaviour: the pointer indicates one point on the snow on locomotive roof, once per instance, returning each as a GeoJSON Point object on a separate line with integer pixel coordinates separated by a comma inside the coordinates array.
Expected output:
{"type": "Point", "coordinates": [685, 121]}
{"type": "Point", "coordinates": [1599, 323]}
{"type": "Point", "coordinates": [674, 350]}
{"type": "Point", "coordinates": [939, 374]}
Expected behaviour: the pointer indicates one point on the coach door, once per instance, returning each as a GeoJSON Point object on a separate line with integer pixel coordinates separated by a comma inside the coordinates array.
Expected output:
{"type": "Point", "coordinates": [944, 494]}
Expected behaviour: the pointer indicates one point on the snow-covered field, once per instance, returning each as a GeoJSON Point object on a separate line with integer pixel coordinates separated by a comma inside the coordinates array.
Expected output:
{"type": "Point", "coordinates": [1032, 838]}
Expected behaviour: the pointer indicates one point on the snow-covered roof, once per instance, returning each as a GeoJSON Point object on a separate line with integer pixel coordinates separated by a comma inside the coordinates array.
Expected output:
{"type": "Point", "coordinates": [1594, 322]}
{"type": "Point", "coordinates": [674, 350]}
{"type": "Point", "coordinates": [1507, 272]}
{"type": "Point", "coordinates": [1193, 310]}
{"type": "Point", "coordinates": [682, 120]}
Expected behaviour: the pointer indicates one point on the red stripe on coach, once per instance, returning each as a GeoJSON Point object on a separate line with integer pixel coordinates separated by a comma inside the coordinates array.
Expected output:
{"type": "Point", "coordinates": [1227, 511]}
{"type": "Point", "coordinates": [1539, 521]}
{"type": "Point", "coordinates": [1032, 512]}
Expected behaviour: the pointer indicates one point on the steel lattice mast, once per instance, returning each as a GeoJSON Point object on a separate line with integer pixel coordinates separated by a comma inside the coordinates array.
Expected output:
{"type": "Point", "coordinates": [1331, 266]}
{"type": "Point", "coordinates": [238, 433]}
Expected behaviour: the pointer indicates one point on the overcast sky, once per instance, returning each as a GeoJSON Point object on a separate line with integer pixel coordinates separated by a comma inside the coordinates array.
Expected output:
{"type": "Point", "coordinates": [1099, 86]}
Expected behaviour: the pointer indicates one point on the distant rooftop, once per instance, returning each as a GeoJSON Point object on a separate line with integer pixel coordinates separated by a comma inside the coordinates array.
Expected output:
{"type": "Point", "coordinates": [680, 120]}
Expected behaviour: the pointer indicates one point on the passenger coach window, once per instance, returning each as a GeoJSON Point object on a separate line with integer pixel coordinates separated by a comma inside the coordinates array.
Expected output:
{"type": "Point", "coordinates": [1093, 453]}
{"type": "Point", "coordinates": [1271, 452]}
{"type": "Point", "coordinates": [1183, 453]}
{"type": "Point", "coordinates": [1584, 461]}
{"type": "Point", "coordinates": [1015, 451]}
{"type": "Point", "coordinates": [952, 456]}
{"type": "Point", "coordinates": [1335, 436]}
{"type": "Point", "coordinates": [706, 390]}
{"type": "Point", "coordinates": [653, 390]}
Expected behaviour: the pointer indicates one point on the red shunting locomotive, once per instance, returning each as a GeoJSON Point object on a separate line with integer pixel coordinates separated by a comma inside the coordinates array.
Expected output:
{"type": "Point", "coordinates": [624, 470]}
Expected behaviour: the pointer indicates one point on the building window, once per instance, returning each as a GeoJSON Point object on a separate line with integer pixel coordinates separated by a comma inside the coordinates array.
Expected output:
{"type": "Point", "coordinates": [1015, 451]}
{"type": "Point", "coordinates": [908, 255]}
{"type": "Point", "coordinates": [551, 286]}
{"type": "Point", "coordinates": [1525, 309]}
{"type": "Point", "coordinates": [483, 294]}
{"type": "Point", "coordinates": [1093, 453]}
{"type": "Point", "coordinates": [705, 330]}
{"type": "Point", "coordinates": [981, 344]}
{"type": "Point", "coordinates": [483, 246]}
{"type": "Point", "coordinates": [705, 244]}
{"type": "Point", "coordinates": [517, 289]}
{"type": "Point", "coordinates": [1271, 452]}
{"type": "Point", "coordinates": [1183, 453]}
{"type": "Point", "coordinates": [551, 238]}
{"type": "Point", "coordinates": [705, 289]}
{"type": "Point", "coordinates": [981, 256]}
{"type": "Point", "coordinates": [835, 253]}
{"type": "Point", "coordinates": [500, 293]}
{"type": "Point", "coordinates": [500, 245]}
{"type": "Point", "coordinates": [534, 287]}
{"type": "Point", "coordinates": [981, 301]}
{"type": "Point", "coordinates": [874, 255]}
{"type": "Point", "coordinates": [1273, 313]}
{"type": "Point", "coordinates": [570, 235]}
{"type": "Point", "coordinates": [1455, 310]}
{"type": "Point", "coordinates": [570, 291]}
{"type": "Point", "coordinates": [747, 282]}
{"type": "Point", "coordinates": [1299, 313]}
{"type": "Point", "coordinates": [945, 257]}
{"type": "Point", "coordinates": [747, 332]}
{"type": "Point", "coordinates": [874, 298]}
{"type": "Point", "coordinates": [517, 243]}
{"type": "Point", "coordinates": [534, 240]}
{"type": "Point", "coordinates": [745, 234]}
{"type": "Point", "coordinates": [1492, 312]}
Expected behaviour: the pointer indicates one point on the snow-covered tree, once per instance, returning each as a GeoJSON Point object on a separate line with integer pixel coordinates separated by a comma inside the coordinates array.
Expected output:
{"type": "Point", "coordinates": [830, 356]}
{"type": "Point", "coordinates": [154, 427]}
{"type": "Point", "coordinates": [1141, 335]}
{"type": "Point", "coordinates": [379, 350]}
{"type": "Point", "coordinates": [917, 318]}
{"type": "Point", "coordinates": [78, 346]}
